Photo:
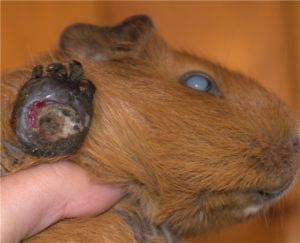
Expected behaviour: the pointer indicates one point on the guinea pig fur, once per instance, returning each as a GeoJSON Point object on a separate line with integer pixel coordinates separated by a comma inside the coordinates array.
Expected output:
{"type": "Point", "coordinates": [191, 159]}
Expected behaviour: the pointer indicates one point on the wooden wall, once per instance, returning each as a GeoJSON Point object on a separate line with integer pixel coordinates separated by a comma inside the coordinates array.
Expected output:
{"type": "Point", "coordinates": [261, 39]}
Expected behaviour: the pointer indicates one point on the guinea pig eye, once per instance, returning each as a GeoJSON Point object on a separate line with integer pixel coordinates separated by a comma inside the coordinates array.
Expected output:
{"type": "Point", "coordinates": [200, 82]}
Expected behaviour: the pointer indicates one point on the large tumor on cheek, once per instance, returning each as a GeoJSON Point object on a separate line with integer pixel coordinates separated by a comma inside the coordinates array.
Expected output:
{"type": "Point", "coordinates": [52, 113]}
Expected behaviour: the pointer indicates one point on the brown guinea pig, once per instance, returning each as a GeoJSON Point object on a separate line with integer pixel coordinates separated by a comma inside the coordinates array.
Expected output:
{"type": "Point", "coordinates": [196, 146]}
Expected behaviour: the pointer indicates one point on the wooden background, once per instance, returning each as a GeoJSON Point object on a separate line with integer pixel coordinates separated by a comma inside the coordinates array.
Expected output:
{"type": "Point", "coordinates": [261, 39]}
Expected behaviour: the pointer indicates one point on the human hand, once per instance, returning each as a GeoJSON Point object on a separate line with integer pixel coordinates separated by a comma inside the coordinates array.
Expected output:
{"type": "Point", "coordinates": [33, 199]}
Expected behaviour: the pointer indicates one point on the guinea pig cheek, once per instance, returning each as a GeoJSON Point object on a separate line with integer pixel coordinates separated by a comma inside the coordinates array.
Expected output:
{"type": "Point", "coordinates": [53, 121]}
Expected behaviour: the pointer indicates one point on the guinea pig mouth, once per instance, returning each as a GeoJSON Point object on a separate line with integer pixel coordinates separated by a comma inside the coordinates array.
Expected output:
{"type": "Point", "coordinates": [267, 195]}
{"type": "Point", "coordinates": [260, 198]}
{"type": "Point", "coordinates": [52, 120]}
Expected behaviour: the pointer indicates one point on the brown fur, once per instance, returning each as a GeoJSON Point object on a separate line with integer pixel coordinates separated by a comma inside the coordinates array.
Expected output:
{"type": "Point", "coordinates": [187, 159]}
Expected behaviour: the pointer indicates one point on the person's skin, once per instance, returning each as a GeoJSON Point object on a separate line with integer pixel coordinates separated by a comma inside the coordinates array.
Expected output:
{"type": "Point", "coordinates": [33, 199]}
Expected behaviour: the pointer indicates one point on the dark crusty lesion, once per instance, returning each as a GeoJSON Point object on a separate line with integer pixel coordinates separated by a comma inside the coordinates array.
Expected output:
{"type": "Point", "coordinates": [52, 113]}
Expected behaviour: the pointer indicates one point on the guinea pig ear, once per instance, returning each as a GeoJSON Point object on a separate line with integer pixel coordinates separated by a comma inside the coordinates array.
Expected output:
{"type": "Point", "coordinates": [126, 39]}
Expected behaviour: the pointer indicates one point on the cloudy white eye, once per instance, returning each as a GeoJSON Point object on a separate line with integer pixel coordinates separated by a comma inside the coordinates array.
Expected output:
{"type": "Point", "coordinates": [200, 82]}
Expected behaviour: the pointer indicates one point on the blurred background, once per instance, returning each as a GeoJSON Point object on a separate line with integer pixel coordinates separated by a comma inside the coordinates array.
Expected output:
{"type": "Point", "coordinates": [261, 39]}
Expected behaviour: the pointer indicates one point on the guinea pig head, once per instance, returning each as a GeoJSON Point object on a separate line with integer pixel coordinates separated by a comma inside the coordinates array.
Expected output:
{"type": "Point", "coordinates": [201, 146]}
{"type": "Point", "coordinates": [198, 146]}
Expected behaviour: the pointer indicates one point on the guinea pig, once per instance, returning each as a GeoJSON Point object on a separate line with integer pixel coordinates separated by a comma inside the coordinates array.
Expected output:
{"type": "Point", "coordinates": [196, 146]}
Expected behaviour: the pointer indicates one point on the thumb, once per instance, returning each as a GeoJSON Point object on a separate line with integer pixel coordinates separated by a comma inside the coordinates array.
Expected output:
{"type": "Point", "coordinates": [35, 198]}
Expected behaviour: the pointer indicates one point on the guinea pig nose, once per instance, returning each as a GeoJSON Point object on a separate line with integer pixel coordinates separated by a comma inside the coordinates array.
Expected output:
{"type": "Point", "coordinates": [296, 144]}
